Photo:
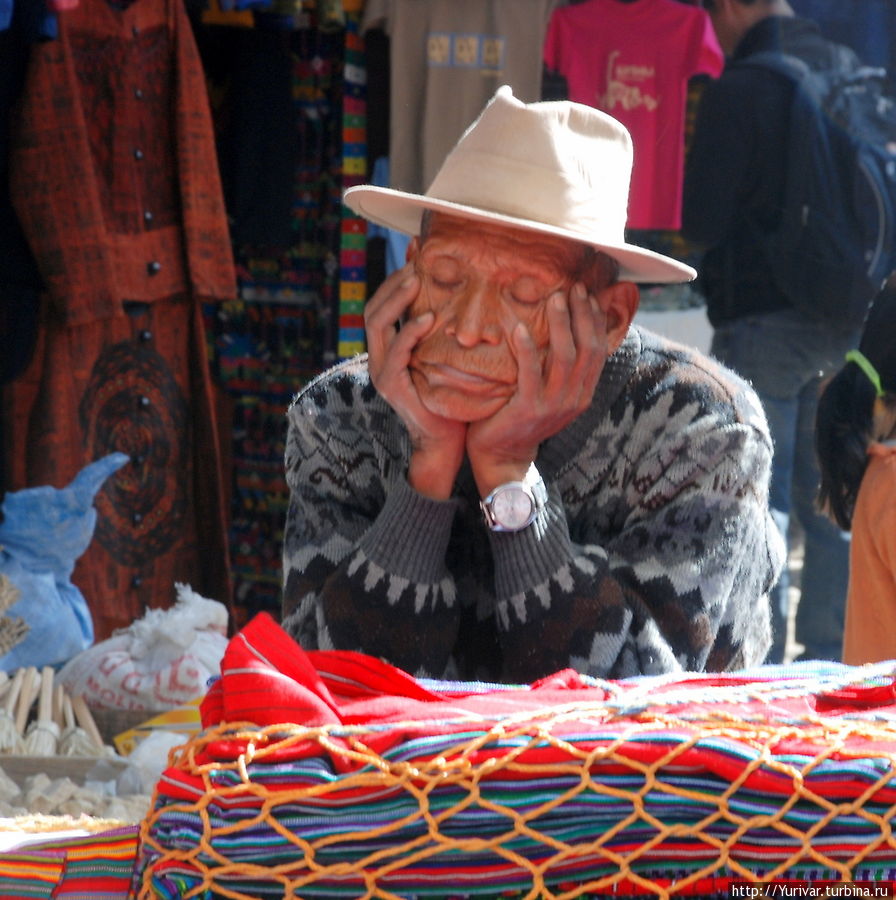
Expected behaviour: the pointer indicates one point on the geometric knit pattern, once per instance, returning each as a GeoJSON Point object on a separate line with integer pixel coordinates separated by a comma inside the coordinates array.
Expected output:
{"type": "Point", "coordinates": [654, 554]}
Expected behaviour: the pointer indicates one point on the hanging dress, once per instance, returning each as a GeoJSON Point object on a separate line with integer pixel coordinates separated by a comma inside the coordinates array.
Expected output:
{"type": "Point", "coordinates": [114, 176]}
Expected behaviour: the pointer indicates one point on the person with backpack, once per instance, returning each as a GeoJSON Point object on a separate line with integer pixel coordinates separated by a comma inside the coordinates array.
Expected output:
{"type": "Point", "coordinates": [765, 302]}
{"type": "Point", "coordinates": [855, 440]}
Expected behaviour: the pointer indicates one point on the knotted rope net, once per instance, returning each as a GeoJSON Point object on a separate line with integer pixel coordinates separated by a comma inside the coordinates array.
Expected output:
{"type": "Point", "coordinates": [581, 800]}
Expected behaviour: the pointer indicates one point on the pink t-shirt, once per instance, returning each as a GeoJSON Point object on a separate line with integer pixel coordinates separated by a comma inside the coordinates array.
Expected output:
{"type": "Point", "coordinates": [633, 60]}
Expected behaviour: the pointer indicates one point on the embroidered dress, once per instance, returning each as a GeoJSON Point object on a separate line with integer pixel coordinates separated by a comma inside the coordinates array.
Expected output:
{"type": "Point", "coordinates": [115, 180]}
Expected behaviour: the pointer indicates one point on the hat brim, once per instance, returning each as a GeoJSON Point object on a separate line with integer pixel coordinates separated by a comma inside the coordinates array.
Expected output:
{"type": "Point", "coordinates": [402, 212]}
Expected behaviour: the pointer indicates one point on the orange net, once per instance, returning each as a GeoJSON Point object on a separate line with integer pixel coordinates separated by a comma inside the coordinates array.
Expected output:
{"type": "Point", "coordinates": [584, 799]}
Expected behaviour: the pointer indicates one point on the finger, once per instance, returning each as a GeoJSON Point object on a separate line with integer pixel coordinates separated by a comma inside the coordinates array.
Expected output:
{"type": "Point", "coordinates": [397, 357]}
{"type": "Point", "coordinates": [591, 339]}
{"type": "Point", "coordinates": [529, 374]}
{"type": "Point", "coordinates": [562, 348]}
{"type": "Point", "coordinates": [588, 321]}
{"type": "Point", "coordinates": [386, 308]}
{"type": "Point", "coordinates": [393, 296]}
{"type": "Point", "coordinates": [412, 332]}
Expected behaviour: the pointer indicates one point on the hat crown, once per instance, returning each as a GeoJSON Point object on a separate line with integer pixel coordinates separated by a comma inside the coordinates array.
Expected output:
{"type": "Point", "coordinates": [563, 164]}
{"type": "Point", "coordinates": [553, 167]}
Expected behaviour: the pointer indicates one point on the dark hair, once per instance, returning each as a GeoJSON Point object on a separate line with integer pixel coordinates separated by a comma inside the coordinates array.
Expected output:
{"type": "Point", "coordinates": [845, 418]}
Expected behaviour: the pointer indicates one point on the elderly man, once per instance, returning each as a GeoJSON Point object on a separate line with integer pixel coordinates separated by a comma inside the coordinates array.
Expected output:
{"type": "Point", "coordinates": [516, 480]}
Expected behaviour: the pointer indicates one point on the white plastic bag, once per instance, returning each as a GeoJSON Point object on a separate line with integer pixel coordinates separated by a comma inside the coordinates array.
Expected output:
{"type": "Point", "coordinates": [161, 661]}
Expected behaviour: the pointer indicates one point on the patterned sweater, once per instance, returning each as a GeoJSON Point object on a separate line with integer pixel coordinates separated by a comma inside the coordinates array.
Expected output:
{"type": "Point", "coordinates": [654, 554]}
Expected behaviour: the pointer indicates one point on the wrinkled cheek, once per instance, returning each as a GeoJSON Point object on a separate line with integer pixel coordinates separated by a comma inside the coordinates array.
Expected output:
{"type": "Point", "coordinates": [435, 347]}
{"type": "Point", "coordinates": [419, 306]}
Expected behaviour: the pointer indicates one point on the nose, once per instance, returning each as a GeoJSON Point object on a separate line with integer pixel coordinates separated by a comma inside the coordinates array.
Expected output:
{"type": "Point", "coordinates": [475, 316]}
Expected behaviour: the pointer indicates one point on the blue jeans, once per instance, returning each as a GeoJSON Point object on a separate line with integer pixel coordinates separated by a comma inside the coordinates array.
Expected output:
{"type": "Point", "coordinates": [786, 359]}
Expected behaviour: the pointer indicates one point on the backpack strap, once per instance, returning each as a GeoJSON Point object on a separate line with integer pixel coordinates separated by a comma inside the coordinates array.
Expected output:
{"type": "Point", "coordinates": [790, 67]}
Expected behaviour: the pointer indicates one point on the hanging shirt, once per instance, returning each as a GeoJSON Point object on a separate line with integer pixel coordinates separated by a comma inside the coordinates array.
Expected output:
{"type": "Point", "coordinates": [448, 57]}
{"type": "Point", "coordinates": [633, 60]}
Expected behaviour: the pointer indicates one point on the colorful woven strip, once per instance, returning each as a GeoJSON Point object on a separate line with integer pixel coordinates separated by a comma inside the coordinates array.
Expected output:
{"type": "Point", "coordinates": [353, 272]}
{"type": "Point", "coordinates": [71, 868]}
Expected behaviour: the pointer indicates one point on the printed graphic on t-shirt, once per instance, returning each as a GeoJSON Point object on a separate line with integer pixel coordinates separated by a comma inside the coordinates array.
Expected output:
{"type": "Point", "coordinates": [629, 86]}
{"type": "Point", "coordinates": [468, 51]}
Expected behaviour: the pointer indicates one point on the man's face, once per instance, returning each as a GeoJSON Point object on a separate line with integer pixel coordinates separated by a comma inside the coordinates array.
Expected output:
{"type": "Point", "coordinates": [480, 280]}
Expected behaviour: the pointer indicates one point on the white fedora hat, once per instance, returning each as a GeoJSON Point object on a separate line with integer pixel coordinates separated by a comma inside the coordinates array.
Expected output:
{"type": "Point", "coordinates": [556, 167]}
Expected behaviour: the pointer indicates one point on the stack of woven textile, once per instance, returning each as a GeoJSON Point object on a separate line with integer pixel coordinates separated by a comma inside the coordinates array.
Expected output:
{"type": "Point", "coordinates": [97, 863]}
{"type": "Point", "coordinates": [393, 787]}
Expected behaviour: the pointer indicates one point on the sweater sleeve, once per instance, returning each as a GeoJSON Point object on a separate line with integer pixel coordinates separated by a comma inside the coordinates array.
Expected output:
{"type": "Point", "coordinates": [678, 581]}
{"type": "Point", "coordinates": [363, 565]}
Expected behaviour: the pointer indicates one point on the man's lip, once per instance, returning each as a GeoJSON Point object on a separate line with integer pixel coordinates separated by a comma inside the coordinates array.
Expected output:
{"type": "Point", "coordinates": [442, 374]}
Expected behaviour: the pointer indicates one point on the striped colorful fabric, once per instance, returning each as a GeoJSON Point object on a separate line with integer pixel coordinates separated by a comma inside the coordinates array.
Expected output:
{"type": "Point", "coordinates": [353, 252]}
{"type": "Point", "coordinates": [569, 787]}
{"type": "Point", "coordinates": [72, 868]}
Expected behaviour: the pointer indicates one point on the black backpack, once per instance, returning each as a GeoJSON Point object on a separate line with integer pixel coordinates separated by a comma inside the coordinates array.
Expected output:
{"type": "Point", "coordinates": [836, 242]}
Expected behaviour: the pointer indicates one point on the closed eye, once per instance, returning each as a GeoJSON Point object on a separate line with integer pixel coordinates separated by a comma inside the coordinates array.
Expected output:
{"type": "Point", "coordinates": [528, 289]}
{"type": "Point", "coordinates": [444, 273]}
{"type": "Point", "coordinates": [446, 284]}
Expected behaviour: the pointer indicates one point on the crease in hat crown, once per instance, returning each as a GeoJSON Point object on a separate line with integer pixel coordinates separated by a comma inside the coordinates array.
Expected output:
{"type": "Point", "coordinates": [557, 167]}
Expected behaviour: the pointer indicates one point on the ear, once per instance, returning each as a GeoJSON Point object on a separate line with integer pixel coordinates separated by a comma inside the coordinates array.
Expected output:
{"type": "Point", "coordinates": [619, 303]}
{"type": "Point", "coordinates": [413, 249]}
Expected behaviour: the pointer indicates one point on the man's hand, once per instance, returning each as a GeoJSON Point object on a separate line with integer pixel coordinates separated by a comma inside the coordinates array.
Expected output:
{"type": "Point", "coordinates": [548, 397]}
{"type": "Point", "coordinates": [438, 443]}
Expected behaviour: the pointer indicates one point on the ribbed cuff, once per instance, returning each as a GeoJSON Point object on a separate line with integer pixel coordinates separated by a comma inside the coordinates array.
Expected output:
{"type": "Point", "coordinates": [410, 535]}
{"type": "Point", "coordinates": [524, 559]}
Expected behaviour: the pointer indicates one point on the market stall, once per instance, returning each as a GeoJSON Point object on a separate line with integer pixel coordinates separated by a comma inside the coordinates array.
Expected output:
{"type": "Point", "coordinates": [679, 785]}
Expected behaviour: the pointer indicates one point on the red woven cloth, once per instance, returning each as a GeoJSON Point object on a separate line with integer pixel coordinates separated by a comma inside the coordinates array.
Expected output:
{"type": "Point", "coordinates": [267, 679]}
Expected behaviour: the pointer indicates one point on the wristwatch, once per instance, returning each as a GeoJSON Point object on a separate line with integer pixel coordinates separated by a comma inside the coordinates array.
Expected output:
{"type": "Point", "coordinates": [513, 506]}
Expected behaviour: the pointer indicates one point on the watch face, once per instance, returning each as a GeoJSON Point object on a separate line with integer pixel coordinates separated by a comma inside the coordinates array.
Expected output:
{"type": "Point", "coordinates": [512, 508]}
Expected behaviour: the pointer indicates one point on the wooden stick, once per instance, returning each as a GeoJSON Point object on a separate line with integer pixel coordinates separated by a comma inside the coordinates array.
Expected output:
{"type": "Point", "coordinates": [68, 715]}
{"type": "Point", "coordinates": [85, 720]}
{"type": "Point", "coordinates": [26, 698]}
{"type": "Point", "coordinates": [45, 705]}
{"type": "Point", "coordinates": [59, 704]}
{"type": "Point", "coordinates": [15, 689]}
